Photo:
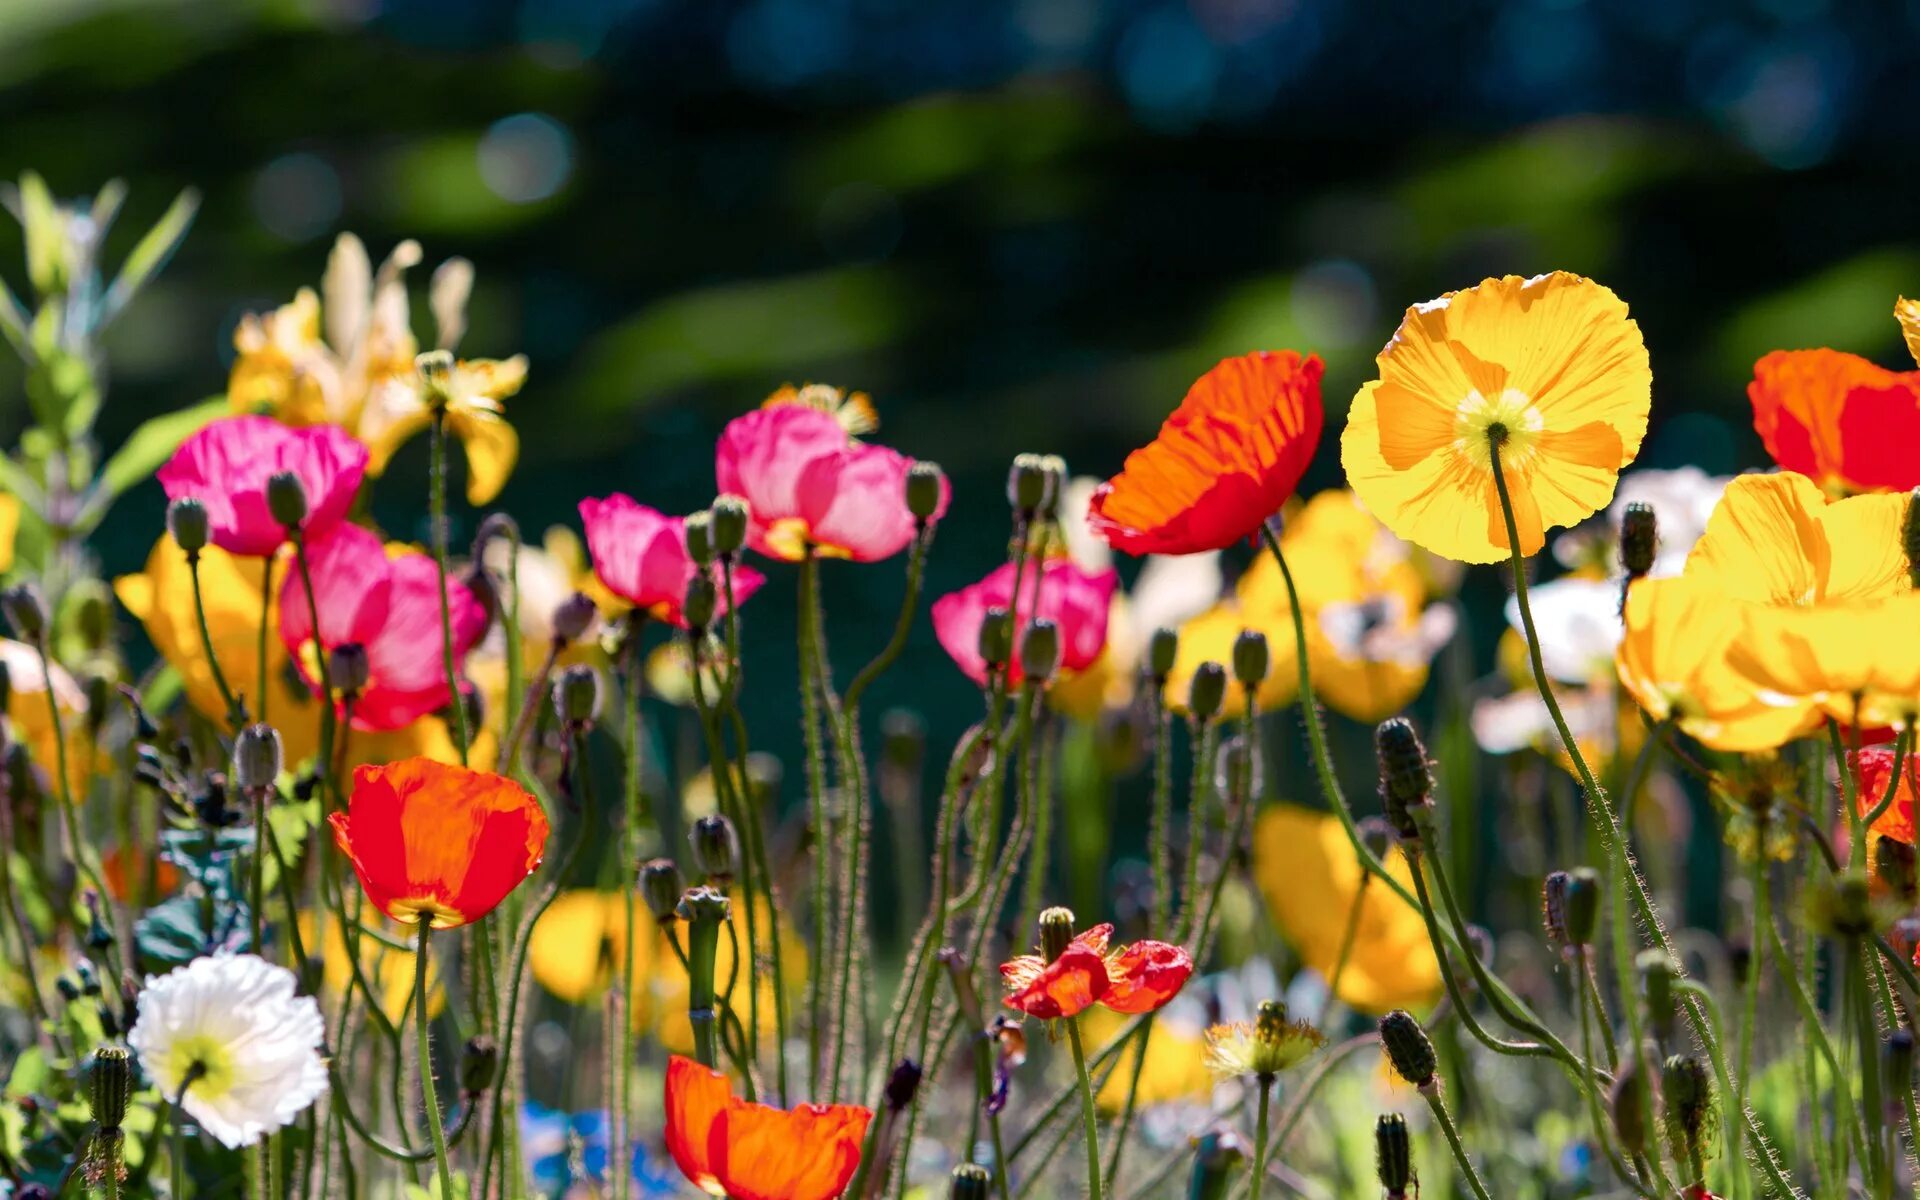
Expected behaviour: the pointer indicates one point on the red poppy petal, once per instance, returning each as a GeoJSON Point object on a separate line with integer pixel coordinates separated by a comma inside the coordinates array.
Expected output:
{"type": "Point", "coordinates": [1147, 975]}
{"type": "Point", "coordinates": [1066, 987]}
{"type": "Point", "coordinates": [696, 1098]}
{"type": "Point", "coordinates": [764, 1153]}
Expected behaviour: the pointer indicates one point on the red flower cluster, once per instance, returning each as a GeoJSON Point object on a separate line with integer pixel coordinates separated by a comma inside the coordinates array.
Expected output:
{"type": "Point", "coordinates": [727, 1146]}
{"type": "Point", "coordinates": [1134, 979]}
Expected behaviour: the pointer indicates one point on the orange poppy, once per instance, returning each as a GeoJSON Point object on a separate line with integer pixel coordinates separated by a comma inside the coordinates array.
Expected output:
{"type": "Point", "coordinates": [1844, 421]}
{"type": "Point", "coordinates": [1146, 975]}
{"type": "Point", "coordinates": [727, 1146]}
{"type": "Point", "coordinates": [1065, 987]}
{"type": "Point", "coordinates": [1225, 461]}
{"type": "Point", "coordinates": [1873, 771]}
{"type": "Point", "coordinates": [439, 843]}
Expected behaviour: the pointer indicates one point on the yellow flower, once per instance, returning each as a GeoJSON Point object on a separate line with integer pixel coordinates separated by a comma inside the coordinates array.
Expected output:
{"type": "Point", "coordinates": [1311, 878]}
{"type": "Point", "coordinates": [1553, 364]}
{"type": "Point", "coordinates": [32, 720]}
{"type": "Point", "coordinates": [1859, 662]}
{"type": "Point", "coordinates": [399, 408]}
{"type": "Point", "coordinates": [1265, 1047]}
{"type": "Point", "coordinates": [1775, 539]}
{"type": "Point", "coordinates": [9, 529]}
{"type": "Point", "coordinates": [1175, 1068]}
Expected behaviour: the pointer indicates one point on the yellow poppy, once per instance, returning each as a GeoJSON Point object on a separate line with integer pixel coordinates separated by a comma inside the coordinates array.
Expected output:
{"type": "Point", "coordinates": [1552, 364]}
{"type": "Point", "coordinates": [9, 529]}
{"type": "Point", "coordinates": [474, 390]}
{"type": "Point", "coordinates": [388, 968]}
{"type": "Point", "coordinates": [1175, 1068]}
{"type": "Point", "coordinates": [581, 940]}
{"type": "Point", "coordinates": [1311, 878]}
{"type": "Point", "coordinates": [1859, 662]}
{"type": "Point", "coordinates": [28, 713]}
{"type": "Point", "coordinates": [1775, 539]}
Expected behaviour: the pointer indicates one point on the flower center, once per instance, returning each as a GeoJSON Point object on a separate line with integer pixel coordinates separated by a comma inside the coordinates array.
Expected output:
{"type": "Point", "coordinates": [1511, 419]}
{"type": "Point", "coordinates": [215, 1062]}
{"type": "Point", "coordinates": [412, 910]}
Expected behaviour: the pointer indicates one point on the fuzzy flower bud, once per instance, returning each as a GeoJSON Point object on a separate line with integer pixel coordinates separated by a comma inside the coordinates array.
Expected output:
{"type": "Point", "coordinates": [700, 537]}
{"type": "Point", "coordinates": [902, 1084]}
{"type": "Point", "coordinates": [347, 668]}
{"type": "Point", "coordinates": [701, 601]}
{"type": "Point", "coordinates": [996, 637]}
{"type": "Point", "coordinates": [110, 1083]}
{"type": "Point", "coordinates": [1376, 835]}
{"type": "Point", "coordinates": [478, 1060]}
{"type": "Point", "coordinates": [1408, 1048]}
{"type": "Point", "coordinates": [1639, 539]}
{"type": "Point", "coordinates": [573, 616]}
{"type": "Point", "coordinates": [1393, 1154]}
{"type": "Point", "coordinates": [1027, 484]}
{"type": "Point", "coordinates": [729, 515]}
{"type": "Point", "coordinates": [1583, 906]}
{"type": "Point", "coordinates": [1207, 692]}
{"type": "Point", "coordinates": [26, 611]}
{"type": "Point", "coordinates": [1250, 658]}
{"type": "Point", "coordinates": [1406, 776]}
{"type": "Point", "coordinates": [1657, 973]}
{"type": "Point", "coordinates": [187, 522]}
{"type": "Point", "coordinates": [924, 481]}
{"type": "Point", "coordinates": [1628, 1107]}
{"type": "Point", "coordinates": [660, 887]}
{"type": "Point", "coordinates": [1040, 650]}
{"type": "Point", "coordinates": [1056, 932]}
{"type": "Point", "coordinates": [576, 696]}
{"type": "Point", "coordinates": [287, 499]}
{"type": "Point", "coordinates": [1688, 1093]}
{"type": "Point", "coordinates": [1162, 648]}
{"type": "Point", "coordinates": [716, 848]}
{"type": "Point", "coordinates": [257, 758]}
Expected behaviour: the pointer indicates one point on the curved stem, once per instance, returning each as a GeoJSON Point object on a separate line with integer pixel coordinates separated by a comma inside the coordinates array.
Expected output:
{"type": "Point", "coordinates": [817, 810]}
{"type": "Point", "coordinates": [902, 625]}
{"type": "Point", "coordinates": [236, 715]}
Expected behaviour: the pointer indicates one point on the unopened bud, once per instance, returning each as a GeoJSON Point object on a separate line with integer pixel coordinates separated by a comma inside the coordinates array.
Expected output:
{"type": "Point", "coordinates": [1393, 1154]}
{"type": "Point", "coordinates": [287, 499]}
{"type": "Point", "coordinates": [348, 669]}
{"type": "Point", "coordinates": [1688, 1094]}
{"type": "Point", "coordinates": [729, 515]}
{"type": "Point", "coordinates": [573, 616]}
{"type": "Point", "coordinates": [110, 1083]}
{"type": "Point", "coordinates": [660, 887]}
{"type": "Point", "coordinates": [902, 1084]}
{"type": "Point", "coordinates": [1056, 932]}
{"type": "Point", "coordinates": [1040, 650]}
{"type": "Point", "coordinates": [1027, 484]}
{"type": "Point", "coordinates": [996, 637]}
{"type": "Point", "coordinates": [926, 484]}
{"type": "Point", "coordinates": [1408, 1048]}
{"type": "Point", "coordinates": [1639, 539]}
{"type": "Point", "coordinates": [187, 522]}
{"type": "Point", "coordinates": [1657, 973]}
{"type": "Point", "coordinates": [716, 847]}
{"type": "Point", "coordinates": [1628, 1104]}
{"type": "Point", "coordinates": [700, 538]}
{"type": "Point", "coordinates": [1406, 776]}
{"type": "Point", "coordinates": [1162, 649]}
{"type": "Point", "coordinates": [26, 611]}
{"type": "Point", "coordinates": [1376, 835]}
{"type": "Point", "coordinates": [970, 1182]}
{"type": "Point", "coordinates": [1207, 692]}
{"type": "Point", "coordinates": [257, 758]}
{"type": "Point", "coordinates": [1893, 865]}
{"type": "Point", "coordinates": [1583, 906]}
{"type": "Point", "coordinates": [1250, 658]}
{"type": "Point", "coordinates": [478, 1060]}
{"type": "Point", "coordinates": [576, 696]}
{"type": "Point", "coordinates": [1553, 906]}
{"type": "Point", "coordinates": [701, 601]}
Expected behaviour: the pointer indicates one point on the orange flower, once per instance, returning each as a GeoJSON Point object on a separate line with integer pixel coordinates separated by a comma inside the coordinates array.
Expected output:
{"type": "Point", "coordinates": [1064, 987]}
{"type": "Point", "coordinates": [1873, 771]}
{"type": "Point", "coordinates": [1838, 418]}
{"type": "Point", "coordinates": [1225, 461]}
{"type": "Point", "coordinates": [432, 842]}
{"type": "Point", "coordinates": [727, 1146]}
{"type": "Point", "coordinates": [1146, 975]}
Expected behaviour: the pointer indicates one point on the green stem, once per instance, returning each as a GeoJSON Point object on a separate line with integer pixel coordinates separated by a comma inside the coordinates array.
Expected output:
{"type": "Point", "coordinates": [1878, 1168]}
{"type": "Point", "coordinates": [1088, 1119]}
{"type": "Point", "coordinates": [266, 614]}
{"type": "Point", "coordinates": [1133, 1099]}
{"type": "Point", "coordinates": [437, 498]}
{"type": "Point", "coordinates": [817, 810]}
{"type": "Point", "coordinates": [1902, 745]}
{"type": "Point", "coordinates": [1160, 832]}
{"type": "Point", "coordinates": [236, 715]}
{"type": "Point", "coordinates": [1259, 1177]}
{"type": "Point", "coordinates": [1347, 938]}
{"type": "Point", "coordinates": [1445, 1120]}
{"type": "Point", "coordinates": [424, 1047]}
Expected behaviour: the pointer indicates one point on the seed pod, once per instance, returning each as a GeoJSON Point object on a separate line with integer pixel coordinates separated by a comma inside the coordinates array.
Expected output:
{"type": "Point", "coordinates": [660, 887]}
{"type": "Point", "coordinates": [1250, 658]}
{"type": "Point", "coordinates": [257, 758]}
{"type": "Point", "coordinates": [1639, 539]}
{"type": "Point", "coordinates": [1162, 648]}
{"type": "Point", "coordinates": [925, 486]}
{"type": "Point", "coordinates": [1027, 484]}
{"type": "Point", "coordinates": [576, 696]}
{"type": "Point", "coordinates": [1408, 1048]}
{"type": "Point", "coordinates": [187, 522]}
{"type": "Point", "coordinates": [703, 906]}
{"type": "Point", "coordinates": [1056, 932]}
{"type": "Point", "coordinates": [478, 1060]}
{"type": "Point", "coordinates": [730, 517]}
{"type": "Point", "coordinates": [287, 499]}
{"type": "Point", "coordinates": [1040, 650]}
{"type": "Point", "coordinates": [111, 1083]}
{"type": "Point", "coordinates": [716, 847]}
{"type": "Point", "coordinates": [996, 637]}
{"type": "Point", "coordinates": [1406, 775]}
{"type": "Point", "coordinates": [1583, 906]}
{"type": "Point", "coordinates": [573, 616]}
{"type": "Point", "coordinates": [1207, 692]}
{"type": "Point", "coordinates": [1393, 1154]}
{"type": "Point", "coordinates": [699, 529]}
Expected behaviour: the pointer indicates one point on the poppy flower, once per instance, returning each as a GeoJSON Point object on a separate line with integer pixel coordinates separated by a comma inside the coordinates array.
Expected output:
{"type": "Point", "coordinates": [226, 466]}
{"type": "Point", "coordinates": [1846, 422]}
{"type": "Point", "coordinates": [812, 489]}
{"type": "Point", "coordinates": [727, 1146]}
{"type": "Point", "coordinates": [398, 408]}
{"type": "Point", "coordinates": [433, 842]}
{"type": "Point", "coordinates": [1873, 773]}
{"type": "Point", "coordinates": [1224, 462]}
{"type": "Point", "coordinates": [1146, 975]}
{"type": "Point", "coordinates": [389, 605]}
{"type": "Point", "coordinates": [1064, 987]}
{"type": "Point", "coordinates": [1858, 662]}
{"type": "Point", "coordinates": [1777, 540]}
{"type": "Point", "coordinates": [641, 555]}
{"type": "Point", "coordinates": [1076, 601]}
{"type": "Point", "coordinates": [30, 721]}
{"type": "Point", "coordinates": [1552, 363]}
{"type": "Point", "coordinates": [854, 410]}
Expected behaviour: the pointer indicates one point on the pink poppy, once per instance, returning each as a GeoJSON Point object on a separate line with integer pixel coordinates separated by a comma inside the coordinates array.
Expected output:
{"type": "Point", "coordinates": [641, 555]}
{"type": "Point", "coordinates": [808, 485]}
{"type": "Point", "coordinates": [1076, 602]}
{"type": "Point", "coordinates": [390, 607]}
{"type": "Point", "coordinates": [226, 466]}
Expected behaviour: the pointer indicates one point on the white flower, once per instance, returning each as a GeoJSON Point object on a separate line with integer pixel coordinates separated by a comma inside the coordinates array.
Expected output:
{"type": "Point", "coordinates": [1578, 620]}
{"type": "Point", "coordinates": [1519, 720]}
{"type": "Point", "coordinates": [257, 1045]}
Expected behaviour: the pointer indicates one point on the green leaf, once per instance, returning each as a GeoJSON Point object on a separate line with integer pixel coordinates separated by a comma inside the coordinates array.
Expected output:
{"type": "Point", "coordinates": [142, 454]}
{"type": "Point", "coordinates": [152, 253]}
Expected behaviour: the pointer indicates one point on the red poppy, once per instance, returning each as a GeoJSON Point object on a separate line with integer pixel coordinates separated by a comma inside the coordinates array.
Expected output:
{"type": "Point", "coordinates": [1846, 423]}
{"type": "Point", "coordinates": [1146, 975]}
{"type": "Point", "coordinates": [436, 842]}
{"type": "Point", "coordinates": [1225, 461]}
{"type": "Point", "coordinates": [1064, 987]}
{"type": "Point", "coordinates": [1873, 770]}
{"type": "Point", "coordinates": [727, 1146]}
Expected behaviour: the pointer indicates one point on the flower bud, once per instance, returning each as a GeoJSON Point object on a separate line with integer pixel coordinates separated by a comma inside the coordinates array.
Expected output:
{"type": "Point", "coordinates": [287, 499]}
{"type": "Point", "coordinates": [1406, 777]}
{"type": "Point", "coordinates": [902, 1084]}
{"type": "Point", "coordinates": [187, 522]}
{"type": "Point", "coordinates": [1393, 1154]}
{"type": "Point", "coordinates": [576, 696]}
{"type": "Point", "coordinates": [729, 515]}
{"type": "Point", "coordinates": [1040, 650]}
{"type": "Point", "coordinates": [436, 372]}
{"type": "Point", "coordinates": [257, 758]}
{"type": "Point", "coordinates": [703, 906]}
{"type": "Point", "coordinates": [1910, 536]}
{"type": "Point", "coordinates": [1553, 906]}
{"type": "Point", "coordinates": [1027, 484]}
{"type": "Point", "coordinates": [1408, 1048]}
{"type": "Point", "coordinates": [1216, 1154]}
{"type": "Point", "coordinates": [348, 669]}
{"type": "Point", "coordinates": [1639, 539]}
{"type": "Point", "coordinates": [1055, 469]}
{"type": "Point", "coordinates": [716, 847]}
{"type": "Point", "coordinates": [925, 482]}
{"type": "Point", "coordinates": [701, 601]}
{"type": "Point", "coordinates": [996, 637]}
{"type": "Point", "coordinates": [1628, 1106]}
{"type": "Point", "coordinates": [1162, 648]}
{"type": "Point", "coordinates": [970, 1182]}
{"type": "Point", "coordinates": [110, 1083]}
{"type": "Point", "coordinates": [478, 1060]}
{"type": "Point", "coordinates": [26, 611]}
{"type": "Point", "coordinates": [699, 527]}
{"type": "Point", "coordinates": [1583, 906]}
{"type": "Point", "coordinates": [1688, 1094]}
{"type": "Point", "coordinates": [1250, 658]}
{"type": "Point", "coordinates": [660, 887]}
{"type": "Point", "coordinates": [1376, 835]}
{"type": "Point", "coordinates": [1207, 692]}
{"type": "Point", "coordinates": [1657, 973]}
{"type": "Point", "coordinates": [573, 616]}
{"type": "Point", "coordinates": [1056, 932]}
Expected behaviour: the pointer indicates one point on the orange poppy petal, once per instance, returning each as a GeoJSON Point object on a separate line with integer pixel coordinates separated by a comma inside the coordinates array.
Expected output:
{"type": "Point", "coordinates": [697, 1097]}
{"type": "Point", "coordinates": [1065, 987]}
{"type": "Point", "coordinates": [1839, 418]}
{"type": "Point", "coordinates": [1146, 975]}
{"type": "Point", "coordinates": [810, 1153]}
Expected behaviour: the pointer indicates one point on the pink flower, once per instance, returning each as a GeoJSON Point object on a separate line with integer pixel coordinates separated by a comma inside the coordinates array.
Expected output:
{"type": "Point", "coordinates": [807, 484]}
{"type": "Point", "coordinates": [226, 466]}
{"type": "Point", "coordinates": [1074, 600]}
{"type": "Point", "coordinates": [641, 555]}
{"type": "Point", "coordinates": [390, 607]}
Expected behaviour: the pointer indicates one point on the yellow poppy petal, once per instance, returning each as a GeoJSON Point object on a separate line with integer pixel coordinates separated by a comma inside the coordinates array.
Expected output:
{"type": "Point", "coordinates": [1907, 312]}
{"type": "Point", "coordinates": [1764, 541]}
{"type": "Point", "coordinates": [9, 528]}
{"type": "Point", "coordinates": [492, 448]}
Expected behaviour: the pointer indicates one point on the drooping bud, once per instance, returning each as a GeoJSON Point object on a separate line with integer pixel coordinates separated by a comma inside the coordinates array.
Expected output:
{"type": "Point", "coordinates": [1639, 539]}
{"type": "Point", "coordinates": [716, 848]}
{"type": "Point", "coordinates": [1393, 1155]}
{"type": "Point", "coordinates": [1657, 973]}
{"type": "Point", "coordinates": [700, 538]}
{"type": "Point", "coordinates": [661, 887]}
{"type": "Point", "coordinates": [348, 669]}
{"type": "Point", "coordinates": [730, 515]}
{"type": "Point", "coordinates": [187, 522]}
{"type": "Point", "coordinates": [576, 696]}
{"type": "Point", "coordinates": [1040, 650]}
{"type": "Point", "coordinates": [925, 483]}
{"type": "Point", "coordinates": [573, 616]}
{"type": "Point", "coordinates": [1250, 658]}
{"type": "Point", "coordinates": [257, 758]}
{"type": "Point", "coordinates": [1627, 1103]}
{"type": "Point", "coordinates": [970, 1182]}
{"type": "Point", "coordinates": [1207, 692]}
{"type": "Point", "coordinates": [902, 1084]}
{"type": "Point", "coordinates": [287, 499]}
{"type": "Point", "coordinates": [478, 1060]}
{"type": "Point", "coordinates": [110, 1083]}
{"type": "Point", "coordinates": [26, 611]}
{"type": "Point", "coordinates": [1216, 1155]}
{"type": "Point", "coordinates": [1583, 906]}
{"type": "Point", "coordinates": [1408, 1048]}
{"type": "Point", "coordinates": [996, 637]}
{"type": "Point", "coordinates": [1406, 776]}
{"type": "Point", "coordinates": [1553, 906]}
{"type": "Point", "coordinates": [702, 599]}
{"type": "Point", "coordinates": [1162, 649]}
{"type": "Point", "coordinates": [1056, 932]}
{"type": "Point", "coordinates": [1027, 484]}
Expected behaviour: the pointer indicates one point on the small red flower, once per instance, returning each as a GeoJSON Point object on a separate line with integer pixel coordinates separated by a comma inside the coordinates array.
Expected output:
{"type": "Point", "coordinates": [1873, 770]}
{"type": "Point", "coordinates": [1065, 987]}
{"type": "Point", "coordinates": [1225, 461]}
{"type": "Point", "coordinates": [727, 1146]}
{"type": "Point", "coordinates": [433, 842]}
{"type": "Point", "coordinates": [1847, 423]}
{"type": "Point", "coordinates": [1146, 975]}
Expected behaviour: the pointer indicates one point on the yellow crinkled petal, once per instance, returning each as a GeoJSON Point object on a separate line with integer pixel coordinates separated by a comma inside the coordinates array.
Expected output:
{"type": "Point", "coordinates": [1860, 662]}
{"type": "Point", "coordinates": [1867, 560]}
{"type": "Point", "coordinates": [32, 720]}
{"type": "Point", "coordinates": [1765, 541]}
{"type": "Point", "coordinates": [392, 415]}
{"type": "Point", "coordinates": [492, 449]}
